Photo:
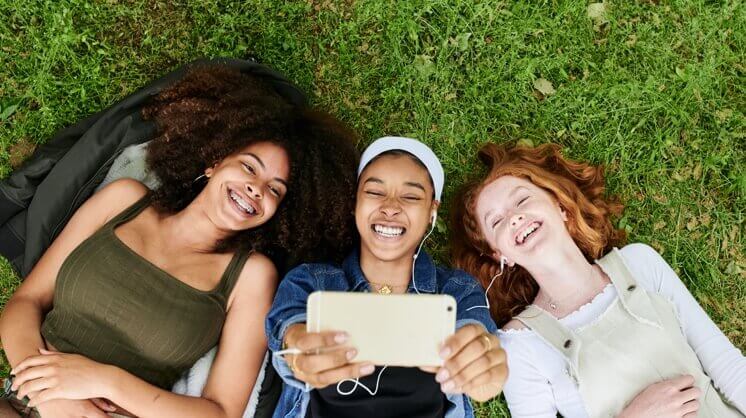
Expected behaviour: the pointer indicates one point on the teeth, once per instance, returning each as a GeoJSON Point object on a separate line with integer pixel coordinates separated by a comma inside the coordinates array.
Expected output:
{"type": "Point", "coordinates": [242, 203]}
{"type": "Point", "coordinates": [388, 231]}
{"type": "Point", "coordinates": [527, 232]}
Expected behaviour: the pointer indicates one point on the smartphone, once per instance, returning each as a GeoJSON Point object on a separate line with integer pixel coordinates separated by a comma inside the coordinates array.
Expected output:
{"type": "Point", "coordinates": [395, 330]}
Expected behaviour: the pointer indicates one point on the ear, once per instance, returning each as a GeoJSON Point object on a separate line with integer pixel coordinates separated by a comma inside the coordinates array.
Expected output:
{"type": "Point", "coordinates": [209, 171]}
{"type": "Point", "coordinates": [563, 212]}
{"type": "Point", "coordinates": [434, 211]}
{"type": "Point", "coordinates": [497, 255]}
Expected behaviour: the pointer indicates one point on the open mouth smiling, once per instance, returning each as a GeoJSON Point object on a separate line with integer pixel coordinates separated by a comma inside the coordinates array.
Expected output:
{"type": "Point", "coordinates": [244, 206]}
{"type": "Point", "coordinates": [527, 232]}
{"type": "Point", "coordinates": [388, 231]}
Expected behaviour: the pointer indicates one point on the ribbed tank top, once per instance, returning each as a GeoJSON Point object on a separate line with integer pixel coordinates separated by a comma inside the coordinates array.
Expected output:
{"type": "Point", "coordinates": [115, 307]}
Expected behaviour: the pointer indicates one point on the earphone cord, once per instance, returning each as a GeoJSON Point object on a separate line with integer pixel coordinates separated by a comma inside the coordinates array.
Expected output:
{"type": "Point", "coordinates": [357, 383]}
{"type": "Point", "coordinates": [416, 254]}
{"type": "Point", "coordinates": [486, 299]}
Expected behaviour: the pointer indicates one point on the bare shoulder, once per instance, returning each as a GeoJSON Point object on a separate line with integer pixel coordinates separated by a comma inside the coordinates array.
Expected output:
{"type": "Point", "coordinates": [260, 267]}
{"type": "Point", "coordinates": [258, 279]}
{"type": "Point", "coordinates": [116, 197]}
{"type": "Point", "coordinates": [514, 324]}
{"type": "Point", "coordinates": [123, 191]}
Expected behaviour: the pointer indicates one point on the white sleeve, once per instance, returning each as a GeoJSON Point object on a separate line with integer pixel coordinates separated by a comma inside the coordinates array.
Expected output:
{"type": "Point", "coordinates": [527, 391]}
{"type": "Point", "coordinates": [721, 360]}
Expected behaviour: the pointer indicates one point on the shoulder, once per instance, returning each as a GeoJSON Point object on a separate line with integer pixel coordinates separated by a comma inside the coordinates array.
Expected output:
{"type": "Point", "coordinates": [121, 193]}
{"type": "Point", "coordinates": [448, 276]}
{"type": "Point", "coordinates": [316, 276]}
{"type": "Point", "coordinates": [258, 278]}
{"type": "Point", "coordinates": [126, 188]}
{"type": "Point", "coordinates": [639, 251]}
{"type": "Point", "coordinates": [514, 324]}
{"type": "Point", "coordinates": [315, 269]}
{"type": "Point", "coordinates": [646, 265]}
{"type": "Point", "coordinates": [259, 266]}
{"type": "Point", "coordinates": [112, 199]}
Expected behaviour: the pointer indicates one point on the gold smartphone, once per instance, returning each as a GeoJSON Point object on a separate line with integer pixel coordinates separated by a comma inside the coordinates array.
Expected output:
{"type": "Point", "coordinates": [394, 330]}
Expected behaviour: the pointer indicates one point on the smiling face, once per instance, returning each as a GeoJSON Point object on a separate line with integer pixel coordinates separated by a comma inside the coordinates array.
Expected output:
{"type": "Point", "coordinates": [393, 207]}
{"type": "Point", "coordinates": [520, 220]}
{"type": "Point", "coordinates": [245, 188]}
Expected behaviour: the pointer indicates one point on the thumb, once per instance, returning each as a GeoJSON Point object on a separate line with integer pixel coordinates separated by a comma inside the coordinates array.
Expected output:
{"type": "Point", "coordinates": [104, 405]}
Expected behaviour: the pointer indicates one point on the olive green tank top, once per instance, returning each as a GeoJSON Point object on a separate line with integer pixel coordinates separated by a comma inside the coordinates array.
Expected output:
{"type": "Point", "coordinates": [115, 307]}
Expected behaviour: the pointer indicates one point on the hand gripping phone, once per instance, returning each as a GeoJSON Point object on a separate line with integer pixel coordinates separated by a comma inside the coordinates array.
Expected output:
{"type": "Point", "coordinates": [395, 330]}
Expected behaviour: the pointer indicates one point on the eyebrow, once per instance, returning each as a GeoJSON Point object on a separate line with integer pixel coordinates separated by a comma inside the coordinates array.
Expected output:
{"type": "Point", "coordinates": [261, 163]}
{"type": "Point", "coordinates": [373, 180]}
{"type": "Point", "coordinates": [415, 184]}
{"type": "Point", "coordinates": [510, 195]}
{"type": "Point", "coordinates": [516, 190]}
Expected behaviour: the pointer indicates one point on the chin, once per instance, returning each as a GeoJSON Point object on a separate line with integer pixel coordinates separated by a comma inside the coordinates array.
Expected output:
{"type": "Point", "coordinates": [383, 253]}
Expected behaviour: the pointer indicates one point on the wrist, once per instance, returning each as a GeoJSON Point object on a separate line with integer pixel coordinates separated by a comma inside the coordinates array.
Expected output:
{"type": "Point", "coordinates": [290, 335]}
{"type": "Point", "coordinates": [112, 377]}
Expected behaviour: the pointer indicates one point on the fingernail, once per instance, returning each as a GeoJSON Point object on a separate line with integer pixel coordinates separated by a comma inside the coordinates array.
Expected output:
{"type": "Point", "coordinates": [445, 387]}
{"type": "Point", "coordinates": [351, 354]}
{"type": "Point", "coordinates": [367, 369]}
{"type": "Point", "coordinates": [441, 376]}
{"type": "Point", "coordinates": [445, 352]}
{"type": "Point", "coordinates": [340, 338]}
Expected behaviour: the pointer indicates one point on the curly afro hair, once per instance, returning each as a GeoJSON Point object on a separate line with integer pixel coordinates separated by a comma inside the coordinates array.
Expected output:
{"type": "Point", "coordinates": [216, 111]}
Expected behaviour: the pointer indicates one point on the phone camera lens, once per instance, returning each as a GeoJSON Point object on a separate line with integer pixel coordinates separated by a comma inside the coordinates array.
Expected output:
{"type": "Point", "coordinates": [450, 308]}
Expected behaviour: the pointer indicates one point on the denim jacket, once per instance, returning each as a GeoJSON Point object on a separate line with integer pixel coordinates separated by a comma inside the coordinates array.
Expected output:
{"type": "Point", "coordinates": [289, 308]}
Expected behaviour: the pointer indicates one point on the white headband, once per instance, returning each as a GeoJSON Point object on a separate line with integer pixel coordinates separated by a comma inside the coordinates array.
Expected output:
{"type": "Point", "coordinates": [421, 151]}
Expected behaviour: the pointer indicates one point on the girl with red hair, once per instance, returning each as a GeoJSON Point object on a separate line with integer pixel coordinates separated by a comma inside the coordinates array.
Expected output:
{"type": "Point", "coordinates": [590, 330]}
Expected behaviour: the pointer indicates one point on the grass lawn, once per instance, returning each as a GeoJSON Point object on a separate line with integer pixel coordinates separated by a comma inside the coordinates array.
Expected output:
{"type": "Point", "coordinates": [653, 89]}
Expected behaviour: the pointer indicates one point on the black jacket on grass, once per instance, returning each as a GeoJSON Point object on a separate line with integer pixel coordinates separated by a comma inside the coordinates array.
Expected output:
{"type": "Point", "coordinates": [38, 199]}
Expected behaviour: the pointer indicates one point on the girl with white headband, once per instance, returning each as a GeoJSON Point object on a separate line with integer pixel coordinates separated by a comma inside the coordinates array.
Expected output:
{"type": "Point", "coordinates": [400, 182]}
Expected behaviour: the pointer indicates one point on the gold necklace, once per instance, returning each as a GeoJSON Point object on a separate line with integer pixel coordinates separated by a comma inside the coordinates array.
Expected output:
{"type": "Point", "coordinates": [385, 289]}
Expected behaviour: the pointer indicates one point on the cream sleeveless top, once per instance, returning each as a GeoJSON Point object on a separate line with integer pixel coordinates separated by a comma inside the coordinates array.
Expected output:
{"type": "Point", "coordinates": [636, 342]}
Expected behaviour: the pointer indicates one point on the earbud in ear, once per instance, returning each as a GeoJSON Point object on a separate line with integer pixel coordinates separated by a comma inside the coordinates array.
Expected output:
{"type": "Point", "coordinates": [433, 216]}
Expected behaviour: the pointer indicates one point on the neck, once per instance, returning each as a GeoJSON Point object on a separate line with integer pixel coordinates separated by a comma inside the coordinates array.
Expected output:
{"type": "Point", "coordinates": [566, 277]}
{"type": "Point", "coordinates": [395, 273]}
{"type": "Point", "coordinates": [191, 228]}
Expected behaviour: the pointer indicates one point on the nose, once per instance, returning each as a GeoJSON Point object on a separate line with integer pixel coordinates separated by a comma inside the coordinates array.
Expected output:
{"type": "Point", "coordinates": [390, 208]}
{"type": "Point", "coordinates": [254, 191]}
{"type": "Point", "coordinates": [516, 219]}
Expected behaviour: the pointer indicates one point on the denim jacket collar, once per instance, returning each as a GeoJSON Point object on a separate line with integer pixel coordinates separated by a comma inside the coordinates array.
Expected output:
{"type": "Point", "coordinates": [424, 273]}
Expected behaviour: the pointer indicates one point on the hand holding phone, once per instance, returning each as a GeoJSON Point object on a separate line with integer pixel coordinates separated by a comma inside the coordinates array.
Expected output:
{"type": "Point", "coordinates": [393, 330]}
{"type": "Point", "coordinates": [322, 358]}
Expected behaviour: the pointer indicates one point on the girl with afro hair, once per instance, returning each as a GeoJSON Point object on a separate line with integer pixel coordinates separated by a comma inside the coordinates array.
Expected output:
{"type": "Point", "coordinates": [140, 284]}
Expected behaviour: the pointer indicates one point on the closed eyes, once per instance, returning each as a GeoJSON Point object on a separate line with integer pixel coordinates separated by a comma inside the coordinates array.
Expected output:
{"type": "Point", "coordinates": [520, 202]}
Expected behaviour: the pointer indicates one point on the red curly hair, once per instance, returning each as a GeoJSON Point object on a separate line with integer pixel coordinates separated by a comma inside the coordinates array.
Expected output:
{"type": "Point", "coordinates": [578, 188]}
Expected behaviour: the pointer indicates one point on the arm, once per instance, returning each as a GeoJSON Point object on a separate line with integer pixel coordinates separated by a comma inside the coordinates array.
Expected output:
{"type": "Point", "coordinates": [20, 325]}
{"type": "Point", "coordinates": [241, 350]}
{"type": "Point", "coordinates": [325, 359]}
{"type": "Point", "coordinates": [721, 360]}
{"type": "Point", "coordinates": [527, 391]}
{"type": "Point", "coordinates": [288, 309]}
{"type": "Point", "coordinates": [474, 362]}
